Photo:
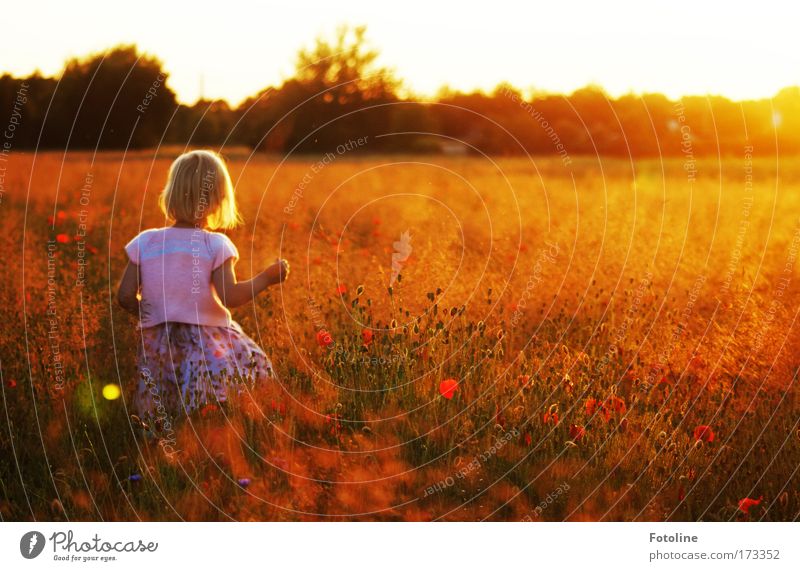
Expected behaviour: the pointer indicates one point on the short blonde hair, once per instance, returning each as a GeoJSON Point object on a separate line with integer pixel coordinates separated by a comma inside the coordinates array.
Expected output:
{"type": "Point", "coordinates": [199, 189]}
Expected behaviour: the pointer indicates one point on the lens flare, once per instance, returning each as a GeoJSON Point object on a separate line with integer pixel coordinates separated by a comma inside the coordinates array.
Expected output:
{"type": "Point", "coordinates": [111, 392]}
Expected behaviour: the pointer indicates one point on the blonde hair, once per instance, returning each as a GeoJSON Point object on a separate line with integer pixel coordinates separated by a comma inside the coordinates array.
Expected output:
{"type": "Point", "coordinates": [199, 189]}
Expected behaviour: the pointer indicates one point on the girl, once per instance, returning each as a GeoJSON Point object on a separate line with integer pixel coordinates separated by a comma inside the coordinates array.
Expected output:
{"type": "Point", "coordinates": [180, 283]}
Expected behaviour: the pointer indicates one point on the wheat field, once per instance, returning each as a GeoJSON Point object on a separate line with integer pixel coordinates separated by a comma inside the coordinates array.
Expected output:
{"type": "Point", "coordinates": [461, 338]}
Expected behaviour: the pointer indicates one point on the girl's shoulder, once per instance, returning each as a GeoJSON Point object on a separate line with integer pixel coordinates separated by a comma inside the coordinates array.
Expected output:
{"type": "Point", "coordinates": [150, 232]}
{"type": "Point", "coordinates": [221, 247]}
{"type": "Point", "coordinates": [218, 239]}
{"type": "Point", "coordinates": [139, 242]}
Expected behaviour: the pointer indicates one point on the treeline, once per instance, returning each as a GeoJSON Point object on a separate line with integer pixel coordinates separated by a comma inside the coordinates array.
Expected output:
{"type": "Point", "coordinates": [122, 99]}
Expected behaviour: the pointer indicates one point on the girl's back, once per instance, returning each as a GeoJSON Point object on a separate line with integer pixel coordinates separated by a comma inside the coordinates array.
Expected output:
{"type": "Point", "coordinates": [175, 266]}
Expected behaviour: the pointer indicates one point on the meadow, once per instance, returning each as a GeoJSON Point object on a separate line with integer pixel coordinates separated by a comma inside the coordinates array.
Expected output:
{"type": "Point", "coordinates": [607, 340]}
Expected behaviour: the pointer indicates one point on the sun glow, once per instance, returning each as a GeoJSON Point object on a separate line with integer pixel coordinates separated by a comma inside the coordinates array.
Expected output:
{"type": "Point", "coordinates": [235, 50]}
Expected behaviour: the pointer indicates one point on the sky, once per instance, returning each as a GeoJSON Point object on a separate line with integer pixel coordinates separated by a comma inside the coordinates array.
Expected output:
{"type": "Point", "coordinates": [233, 49]}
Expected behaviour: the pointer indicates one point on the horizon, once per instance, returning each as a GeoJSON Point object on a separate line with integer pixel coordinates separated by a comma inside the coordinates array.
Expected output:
{"type": "Point", "coordinates": [753, 55]}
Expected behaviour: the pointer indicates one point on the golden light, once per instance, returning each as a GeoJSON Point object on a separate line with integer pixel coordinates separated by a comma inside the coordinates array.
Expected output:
{"type": "Point", "coordinates": [111, 391]}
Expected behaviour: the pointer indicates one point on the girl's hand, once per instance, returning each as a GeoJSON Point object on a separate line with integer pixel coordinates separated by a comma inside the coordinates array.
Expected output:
{"type": "Point", "coordinates": [279, 271]}
{"type": "Point", "coordinates": [234, 293]}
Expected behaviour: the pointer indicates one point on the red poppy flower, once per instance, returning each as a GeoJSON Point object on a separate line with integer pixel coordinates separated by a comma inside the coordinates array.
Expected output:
{"type": "Point", "coordinates": [746, 503]}
{"type": "Point", "coordinates": [528, 438]}
{"type": "Point", "coordinates": [341, 289]}
{"type": "Point", "coordinates": [523, 380]}
{"type": "Point", "coordinates": [12, 384]}
{"type": "Point", "coordinates": [616, 404]}
{"type": "Point", "coordinates": [576, 432]}
{"type": "Point", "coordinates": [447, 388]}
{"type": "Point", "coordinates": [367, 336]}
{"type": "Point", "coordinates": [335, 426]}
{"type": "Point", "coordinates": [704, 432]}
{"type": "Point", "coordinates": [551, 417]}
{"type": "Point", "coordinates": [208, 409]}
{"type": "Point", "coordinates": [591, 406]}
{"type": "Point", "coordinates": [324, 338]}
{"type": "Point", "coordinates": [62, 238]}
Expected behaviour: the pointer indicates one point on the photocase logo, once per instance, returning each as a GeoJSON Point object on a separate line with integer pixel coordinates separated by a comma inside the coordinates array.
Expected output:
{"type": "Point", "coordinates": [402, 250]}
{"type": "Point", "coordinates": [31, 544]}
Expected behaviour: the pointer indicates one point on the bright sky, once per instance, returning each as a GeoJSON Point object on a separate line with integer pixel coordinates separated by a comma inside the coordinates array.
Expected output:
{"type": "Point", "coordinates": [234, 48]}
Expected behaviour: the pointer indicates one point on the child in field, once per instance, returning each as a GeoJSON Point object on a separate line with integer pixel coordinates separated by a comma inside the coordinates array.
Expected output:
{"type": "Point", "coordinates": [180, 282]}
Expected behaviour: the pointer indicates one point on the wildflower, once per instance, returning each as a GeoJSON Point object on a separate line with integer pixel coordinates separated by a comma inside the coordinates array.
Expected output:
{"type": "Point", "coordinates": [528, 439]}
{"type": "Point", "coordinates": [210, 408]}
{"type": "Point", "coordinates": [135, 478]}
{"type": "Point", "coordinates": [367, 336]}
{"type": "Point", "coordinates": [244, 482]}
{"type": "Point", "coordinates": [591, 406]}
{"type": "Point", "coordinates": [576, 432]}
{"type": "Point", "coordinates": [616, 404]}
{"type": "Point", "coordinates": [62, 238]}
{"type": "Point", "coordinates": [334, 420]}
{"type": "Point", "coordinates": [523, 380]}
{"type": "Point", "coordinates": [704, 432]}
{"type": "Point", "coordinates": [324, 338]}
{"type": "Point", "coordinates": [745, 504]}
{"type": "Point", "coordinates": [551, 417]}
{"type": "Point", "coordinates": [341, 289]}
{"type": "Point", "coordinates": [60, 217]}
{"type": "Point", "coordinates": [12, 384]}
{"type": "Point", "coordinates": [448, 387]}
{"type": "Point", "coordinates": [613, 404]}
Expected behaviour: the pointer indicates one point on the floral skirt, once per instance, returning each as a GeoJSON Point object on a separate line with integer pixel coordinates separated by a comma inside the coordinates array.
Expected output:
{"type": "Point", "coordinates": [183, 367]}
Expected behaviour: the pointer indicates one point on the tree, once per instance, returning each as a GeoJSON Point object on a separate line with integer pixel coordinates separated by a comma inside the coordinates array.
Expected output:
{"type": "Point", "coordinates": [111, 100]}
{"type": "Point", "coordinates": [338, 83]}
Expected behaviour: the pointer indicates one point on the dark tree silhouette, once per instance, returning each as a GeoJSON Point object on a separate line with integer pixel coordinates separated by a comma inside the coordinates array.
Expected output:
{"type": "Point", "coordinates": [114, 99]}
{"type": "Point", "coordinates": [339, 92]}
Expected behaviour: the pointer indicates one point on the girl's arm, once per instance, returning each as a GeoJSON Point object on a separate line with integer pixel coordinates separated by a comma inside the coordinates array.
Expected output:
{"type": "Point", "coordinates": [233, 293]}
{"type": "Point", "coordinates": [129, 288]}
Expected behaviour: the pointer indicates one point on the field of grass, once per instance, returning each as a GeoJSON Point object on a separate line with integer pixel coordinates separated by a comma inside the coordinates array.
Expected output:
{"type": "Point", "coordinates": [620, 339]}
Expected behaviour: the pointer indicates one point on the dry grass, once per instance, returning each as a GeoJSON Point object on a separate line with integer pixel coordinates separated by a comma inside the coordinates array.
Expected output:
{"type": "Point", "coordinates": [583, 370]}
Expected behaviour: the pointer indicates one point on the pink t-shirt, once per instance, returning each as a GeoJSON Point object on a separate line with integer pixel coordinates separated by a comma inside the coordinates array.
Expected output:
{"type": "Point", "coordinates": [175, 266]}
